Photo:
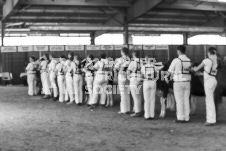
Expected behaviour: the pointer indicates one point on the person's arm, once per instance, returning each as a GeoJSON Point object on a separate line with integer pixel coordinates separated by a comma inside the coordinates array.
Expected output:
{"type": "Point", "coordinates": [117, 65]}
{"type": "Point", "coordinates": [171, 70]}
{"type": "Point", "coordinates": [199, 67]}
{"type": "Point", "coordinates": [28, 67]}
{"type": "Point", "coordinates": [40, 66]}
{"type": "Point", "coordinates": [143, 71]}
{"type": "Point", "coordinates": [96, 66]}
{"type": "Point", "coordinates": [130, 68]}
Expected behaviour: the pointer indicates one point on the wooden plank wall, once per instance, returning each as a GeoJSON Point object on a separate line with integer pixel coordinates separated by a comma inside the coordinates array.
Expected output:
{"type": "Point", "coordinates": [16, 62]}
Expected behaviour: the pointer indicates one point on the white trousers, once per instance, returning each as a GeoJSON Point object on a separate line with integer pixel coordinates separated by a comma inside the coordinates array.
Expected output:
{"type": "Point", "coordinates": [210, 86]}
{"type": "Point", "coordinates": [123, 84]}
{"type": "Point", "coordinates": [89, 87]}
{"type": "Point", "coordinates": [45, 83]}
{"type": "Point", "coordinates": [135, 89]}
{"type": "Point", "coordinates": [62, 88]}
{"type": "Point", "coordinates": [52, 77]}
{"type": "Point", "coordinates": [149, 91]}
{"type": "Point", "coordinates": [99, 89]}
{"type": "Point", "coordinates": [182, 94]}
{"type": "Point", "coordinates": [31, 80]}
{"type": "Point", "coordinates": [70, 87]}
{"type": "Point", "coordinates": [78, 88]}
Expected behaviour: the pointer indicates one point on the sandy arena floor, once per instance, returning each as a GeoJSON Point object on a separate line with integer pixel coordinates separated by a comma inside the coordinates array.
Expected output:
{"type": "Point", "coordinates": [31, 124]}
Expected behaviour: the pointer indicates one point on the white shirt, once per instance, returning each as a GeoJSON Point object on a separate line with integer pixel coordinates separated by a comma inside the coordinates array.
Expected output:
{"type": "Point", "coordinates": [122, 63]}
{"type": "Point", "coordinates": [30, 68]}
{"type": "Point", "coordinates": [52, 65]}
{"type": "Point", "coordinates": [59, 68]}
{"type": "Point", "coordinates": [176, 68]}
{"type": "Point", "coordinates": [69, 67]}
{"type": "Point", "coordinates": [207, 68]}
{"type": "Point", "coordinates": [44, 65]}
{"type": "Point", "coordinates": [135, 67]}
{"type": "Point", "coordinates": [149, 69]}
{"type": "Point", "coordinates": [102, 66]}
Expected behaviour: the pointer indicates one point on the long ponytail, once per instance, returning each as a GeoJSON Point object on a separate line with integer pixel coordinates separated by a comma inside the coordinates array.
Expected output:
{"type": "Point", "coordinates": [213, 56]}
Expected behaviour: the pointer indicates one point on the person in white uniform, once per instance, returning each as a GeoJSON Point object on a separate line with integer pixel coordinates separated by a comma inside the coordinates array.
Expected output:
{"type": "Point", "coordinates": [78, 80]}
{"type": "Point", "coordinates": [135, 76]}
{"type": "Point", "coordinates": [31, 76]}
{"type": "Point", "coordinates": [100, 81]}
{"type": "Point", "coordinates": [69, 64]}
{"type": "Point", "coordinates": [180, 71]}
{"type": "Point", "coordinates": [89, 76]}
{"type": "Point", "coordinates": [43, 68]}
{"type": "Point", "coordinates": [120, 70]}
{"type": "Point", "coordinates": [53, 76]}
{"type": "Point", "coordinates": [150, 73]}
{"type": "Point", "coordinates": [210, 66]}
{"type": "Point", "coordinates": [63, 96]}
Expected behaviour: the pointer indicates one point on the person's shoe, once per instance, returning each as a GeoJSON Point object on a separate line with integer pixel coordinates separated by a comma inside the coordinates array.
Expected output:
{"type": "Point", "coordinates": [186, 122]}
{"type": "Point", "coordinates": [46, 97]}
{"type": "Point", "coordinates": [209, 124]}
{"type": "Point", "coordinates": [66, 101]}
{"type": "Point", "coordinates": [92, 107]}
{"type": "Point", "coordinates": [136, 115]}
{"type": "Point", "coordinates": [150, 118]}
{"type": "Point", "coordinates": [55, 99]}
{"type": "Point", "coordinates": [121, 113]}
{"type": "Point", "coordinates": [79, 104]}
{"type": "Point", "coordinates": [178, 121]}
{"type": "Point", "coordinates": [70, 103]}
{"type": "Point", "coordinates": [128, 113]}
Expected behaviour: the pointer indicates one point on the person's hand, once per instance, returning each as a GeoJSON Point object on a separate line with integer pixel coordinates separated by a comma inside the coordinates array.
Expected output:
{"type": "Point", "coordinates": [167, 80]}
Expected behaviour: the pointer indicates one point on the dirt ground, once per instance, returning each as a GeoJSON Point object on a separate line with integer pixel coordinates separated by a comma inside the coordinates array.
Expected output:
{"type": "Point", "coordinates": [31, 124]}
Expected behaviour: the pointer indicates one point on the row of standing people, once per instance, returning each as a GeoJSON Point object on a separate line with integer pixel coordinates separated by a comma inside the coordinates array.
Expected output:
{"type": "Point", "coordinates": [134, 77]}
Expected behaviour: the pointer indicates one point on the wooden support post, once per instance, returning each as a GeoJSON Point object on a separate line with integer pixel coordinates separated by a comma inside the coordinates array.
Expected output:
{"type": "Point", "coordinates": [92, 36]}
{"type": "Point", "coordinates": [3, 33]}
{"type": "Point", "coordinates": [185, 39]}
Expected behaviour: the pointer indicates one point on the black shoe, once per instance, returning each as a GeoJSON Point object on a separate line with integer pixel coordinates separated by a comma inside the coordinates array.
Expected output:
{"type": "Point", "coordinates": [186, 122]}
{"type": "Point", "coordinates": [128, 113]}
{"type": "Point", "coordinates": [150, 118]}
{"type": "Point", "coordinates": [136, 114]}
{"type": "Point", "coordinates": [55, 99]}
{"type": "Point", "coordinates": [92, 107]}
{"type": "Point", "coordinates": [178, 121]}
{"type": "Point", "coordinates": [46, 97]}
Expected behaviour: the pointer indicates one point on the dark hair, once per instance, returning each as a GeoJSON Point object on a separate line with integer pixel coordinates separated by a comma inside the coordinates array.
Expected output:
{"type": "Point", "coordinates": [63, 57]}
{"type": "Point", "coordinates": [103, 55]}
{"type": "Point", "coordinates": [212, 51]}
{"type": "Point", "coordinates": [47, 56]}
{"type": "Point", "coordinates": [72, 56]}
{"type": "Point", "coordinates": [136, 53]}
{"type": "Point", "coordinates": [33, 58]}
{"type": "Point", "coordinates": [52, 55]}
{"type": "Point", "coordinates": [90, 56]}
{"type": "Point", "coordinates": [125, 51]}
{"type": "Point", "coordinates": [182, 49]}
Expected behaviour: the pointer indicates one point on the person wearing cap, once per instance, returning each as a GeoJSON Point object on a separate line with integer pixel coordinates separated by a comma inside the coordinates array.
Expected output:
{"type": "Point", "coordinates": [31, 76]}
